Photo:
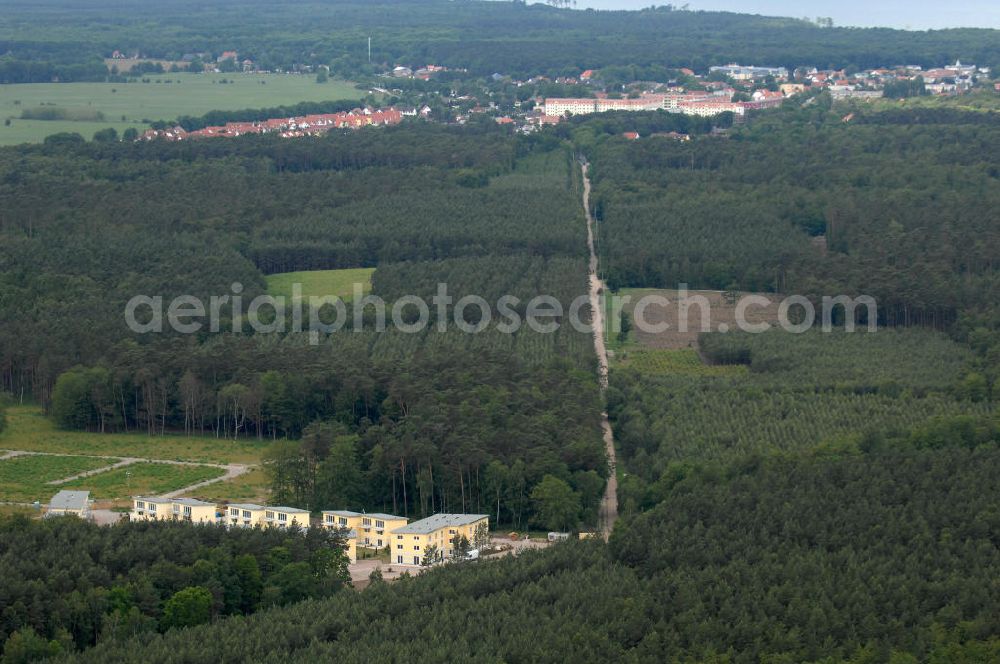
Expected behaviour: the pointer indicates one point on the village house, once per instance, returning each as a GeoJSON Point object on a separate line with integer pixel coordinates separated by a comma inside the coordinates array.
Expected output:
{"type": "Point", "coordinates": [437, 534]}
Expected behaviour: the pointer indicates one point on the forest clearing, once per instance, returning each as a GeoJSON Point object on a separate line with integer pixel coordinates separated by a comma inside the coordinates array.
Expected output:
{"type": "Point", "coordinates": [319, 283]}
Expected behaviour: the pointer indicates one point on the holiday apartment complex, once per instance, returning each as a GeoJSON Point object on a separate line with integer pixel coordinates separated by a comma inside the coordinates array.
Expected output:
{"type": "Point", "coordinates": [436, 535]}
{"type": "Point", "coordinates": [153, 508]}
{"type": "Point", "coordinates": [372, 529]}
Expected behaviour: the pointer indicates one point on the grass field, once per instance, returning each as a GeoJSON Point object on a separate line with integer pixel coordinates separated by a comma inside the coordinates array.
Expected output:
{"type": "Point", "coordinates": [680, 362]}
{"type": "Point", "coordinates": [322, 282]}
{"type": "Point", "coordinates": [142, 479]}
{"type": "Point", "coordinates": [24, 479]}
{"type": "Point", "coordinates": [126, 105]}
{"type": "Point", "coordinates": [250, 487]}
{"type": "Point", "coordinates": [28, 429]}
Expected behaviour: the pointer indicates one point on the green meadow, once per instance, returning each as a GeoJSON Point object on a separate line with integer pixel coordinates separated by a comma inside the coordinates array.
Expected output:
{"type": "Point", "coordinates": [250, 487]}
{"type": "Point", "coordinates": [87, 107]}
{"type": "Point", "coordinates": [142, 479]}
{"type": "Point", "coordinates": [322, 282]}
{"type": "Point", "coordinates": [29, 429]}
{"type": "Point", "coordinates": [24, 479]}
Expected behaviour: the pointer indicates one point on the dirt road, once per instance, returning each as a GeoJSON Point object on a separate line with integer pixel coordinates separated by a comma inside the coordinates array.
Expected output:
{"type": "Point", "coordinates": [608, 513]}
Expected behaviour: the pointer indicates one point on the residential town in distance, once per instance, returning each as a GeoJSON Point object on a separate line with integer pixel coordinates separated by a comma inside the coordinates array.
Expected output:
{"type": "Point", "coordinates": [526, 106]}
{"type": "Point", "coordinates": [306, 125]}
{"type": "Point", "coordinates": [734, 88]}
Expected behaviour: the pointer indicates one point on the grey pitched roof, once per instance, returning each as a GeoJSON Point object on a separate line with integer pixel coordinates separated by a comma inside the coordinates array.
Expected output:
{"type": "Point", "coordinates": [70, 500]}
{"type": "Point", "coordinates": [245, 506]}
{"type": "Point", "coordinates": [153, 499]}
{"type": "Point", "coordinates": [290, 510]}
{"type": "Point", "coordinates": [386, 517]}
{"type": "Point", "coordinates": [432, 523]}
{"type": "Point", "coordinates": [192, 502]}
{"type": "Point", "coordinates": [158, 500]}
{"type": "Point", "coordinates": [375, 515]}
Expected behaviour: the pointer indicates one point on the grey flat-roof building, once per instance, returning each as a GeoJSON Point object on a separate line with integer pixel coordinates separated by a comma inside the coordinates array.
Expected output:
{"type": "Point", "coordinates": [76, 503]}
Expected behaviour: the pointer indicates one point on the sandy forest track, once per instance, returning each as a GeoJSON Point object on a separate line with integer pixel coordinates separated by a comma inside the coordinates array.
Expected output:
{"type": "Point", "coordinates": [609, 503]}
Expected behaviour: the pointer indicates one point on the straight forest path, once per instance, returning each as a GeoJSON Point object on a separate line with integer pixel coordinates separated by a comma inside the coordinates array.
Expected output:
{"type": "Point", "coordinates": [608, 512]}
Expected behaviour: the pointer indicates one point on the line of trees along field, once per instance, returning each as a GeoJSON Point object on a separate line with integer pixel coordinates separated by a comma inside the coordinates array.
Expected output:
{"type": "Point", "coordinates": [66, 41]}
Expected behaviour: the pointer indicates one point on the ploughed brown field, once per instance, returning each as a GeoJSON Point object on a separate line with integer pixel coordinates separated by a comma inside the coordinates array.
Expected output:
{"type": "Point", "coordinates": [721, 316]}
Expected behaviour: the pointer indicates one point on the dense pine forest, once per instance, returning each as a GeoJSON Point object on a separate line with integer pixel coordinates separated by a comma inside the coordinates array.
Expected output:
{"type": "Point", "coordinates": [885, 555]}
{"type": "Point", "coordinates": [408, 423]}
{"type": "Point", "coordinates": [66, 41]}
{"type": "Point", "coordinates": [69, 584]}
{"type": "Point", "coordinates": [806, 203]}
{"type": "Point", "coordinates": [825, 497]}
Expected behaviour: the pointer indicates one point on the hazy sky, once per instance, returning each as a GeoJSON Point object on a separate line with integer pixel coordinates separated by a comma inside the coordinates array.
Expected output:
{"type": "Point", "coordinates": [915, 15]}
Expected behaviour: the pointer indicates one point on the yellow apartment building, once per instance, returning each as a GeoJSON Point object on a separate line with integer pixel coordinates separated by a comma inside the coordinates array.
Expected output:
{"type": "Point", "coordinates": [372, 529]}
{"type": "Point", "coordinates": [412, 541]}
{"type": "Point", "coordinates": [244, 515]}
{"type": "Point", "coordinates": [286, 517]}
{"type": "Point", "coordinates": [155, 508]}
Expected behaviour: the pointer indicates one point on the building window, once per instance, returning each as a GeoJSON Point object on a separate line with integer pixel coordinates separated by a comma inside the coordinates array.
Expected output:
{"type": "Point", "coordinates": [343, 521]}
{"type": "Point", "coordinates": [282, 517]}
{"type": "Point", "coordinates": [152, 507]}
{"type": "Point", "coordinates": [451, 532]}
{"type": "Point", "coordinates": [399, 559]}
{"type": "Point", "coordinates": [399, 537]}
{"type": "Point", "coordinates": [140, 505]}
{"type": "Point", "coordinates": [246, 514]}
{"type": "Point", "coordinates": [379, 544]}
{"type": "Point", "coordinates": [234, 512]}
{"type": "Point", "coordinates": [416, 560]}
{"type": "Point", "coordinates": [187, 512]}
{"type": "Point", "coordinates": [416, 548]}
{"type": "Point", "coordinates": [380, 524]}
{"type": "Point", "coordinates": [366, 521]}
{"type": "Point", "coordinates": [399, 546]}
{"type": "Point", "coordinates": [269, 515]}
